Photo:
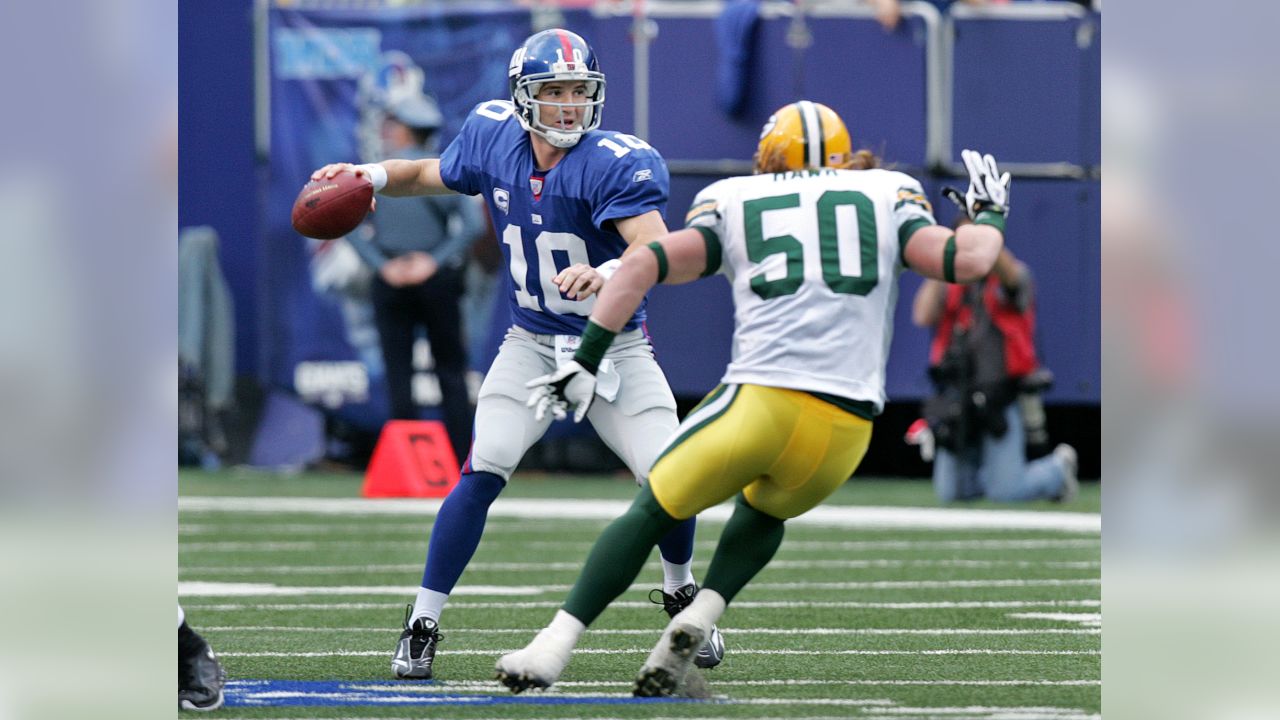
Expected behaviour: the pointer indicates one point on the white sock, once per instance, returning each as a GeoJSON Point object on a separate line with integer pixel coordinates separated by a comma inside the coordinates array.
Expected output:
{"type": "Point", "coordinates": [181, 616]}
{"type": "Point", "coordinates": [429, 604]}
{"type": "Point", "coordinates": [705, 610]}
{"type": "Point", "coordinates": [676, 576]}
{"type": "Point", "coordinates": [563, 632]}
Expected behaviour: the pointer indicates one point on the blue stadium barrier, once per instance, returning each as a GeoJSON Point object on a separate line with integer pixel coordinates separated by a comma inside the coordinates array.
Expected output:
{"type": "Point", "coordinates": [1025, 82]}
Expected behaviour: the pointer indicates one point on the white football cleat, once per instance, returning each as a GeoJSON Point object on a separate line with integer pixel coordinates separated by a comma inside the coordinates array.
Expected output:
{"type": "Point", "coordinates": [538, 665]}
{"type": "Point", "coordinates": [664, 672]}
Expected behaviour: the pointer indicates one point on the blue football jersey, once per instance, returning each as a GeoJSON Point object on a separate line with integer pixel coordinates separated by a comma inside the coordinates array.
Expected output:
{"type": "Point", "coordinates": [550, 220]}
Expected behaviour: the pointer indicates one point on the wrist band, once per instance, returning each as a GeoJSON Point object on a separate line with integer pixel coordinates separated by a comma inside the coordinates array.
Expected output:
{"type": "Point", "coordinates": [377, 174]}
{"type": "Point", "coordinates": [595, 343]}
{"type": "Point", "coordinates": [992, 218]}
{"type": "Point", "coordinates": [949, 260]}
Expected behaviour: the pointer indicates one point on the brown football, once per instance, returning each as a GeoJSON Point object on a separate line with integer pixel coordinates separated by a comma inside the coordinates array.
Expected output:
{"type": "Point", "coordinates": [330, 208]}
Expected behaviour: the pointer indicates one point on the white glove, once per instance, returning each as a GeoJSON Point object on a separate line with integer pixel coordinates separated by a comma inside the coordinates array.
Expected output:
{"type": "Point", "coordinates": [988, 189]}
{"type": "Point", "coordinates": [571, 385]}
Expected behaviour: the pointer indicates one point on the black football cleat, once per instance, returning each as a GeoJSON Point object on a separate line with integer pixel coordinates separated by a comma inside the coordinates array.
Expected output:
{"type": "Point", "coordinates": [416, 650]}
{"type": "Point", "coordinates": [200, 675]}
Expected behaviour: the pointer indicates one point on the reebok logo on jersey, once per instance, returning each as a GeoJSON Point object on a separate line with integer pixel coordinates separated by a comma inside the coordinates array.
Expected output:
{"type": "Point", "coordinates": [642, 175]}
{"type": "Point", "coordinates": [502, 199]}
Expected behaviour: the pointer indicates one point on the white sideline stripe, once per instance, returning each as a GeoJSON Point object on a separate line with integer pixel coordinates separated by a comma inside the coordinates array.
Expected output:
{"type": "Point", "coordinates": [551, 566]}
{"type": "Point", "coordinates": [759, 605]}
{"type": "Point", "coordinates": [646, 650]}
{"type": "Point", "coordinates": [221, 589]}
{"type": "Point", "coordinates": [705, 545]}
{"type": "Point", "coordinates": [646, 632]}
{"type": "Point", "coordinates": [825, 516]}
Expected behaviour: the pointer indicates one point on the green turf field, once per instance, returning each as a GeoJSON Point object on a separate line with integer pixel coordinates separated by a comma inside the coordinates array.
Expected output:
{"type": "Point", "coordinates": [850, 620]}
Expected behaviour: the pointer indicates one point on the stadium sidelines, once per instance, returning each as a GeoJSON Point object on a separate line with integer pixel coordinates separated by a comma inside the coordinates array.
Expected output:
{"type": "Point", "coordinates": [844, 516]}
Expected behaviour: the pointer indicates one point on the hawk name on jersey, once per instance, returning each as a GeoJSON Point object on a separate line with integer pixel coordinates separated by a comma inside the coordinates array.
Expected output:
{"type": "Point", "coordinates": [547, 221]}
{"type": "Point", "coordinates": [813, 257]}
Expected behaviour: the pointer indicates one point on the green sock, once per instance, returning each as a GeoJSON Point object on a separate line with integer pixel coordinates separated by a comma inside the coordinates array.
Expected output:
{"type": "Point", "coordinates": [747, 544]}
{"type": "Point", "coordinates": [618, 556]}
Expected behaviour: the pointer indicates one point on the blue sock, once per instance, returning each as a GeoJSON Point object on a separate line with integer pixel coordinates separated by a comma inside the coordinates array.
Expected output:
{"type": "Point", "coordinates": [677, 545]}
{"type": "Point", "coordinates": [457, 530]}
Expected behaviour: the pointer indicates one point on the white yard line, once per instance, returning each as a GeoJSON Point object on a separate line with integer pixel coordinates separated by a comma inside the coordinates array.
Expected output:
{"type": "Point", "coordinates": [645, 632]}
{"type": "Point", "coordinates": [704, 545]}
{"type": "Point", "coordinates": [536, 567]}
{"type": "Point", "coordinates": [743, 604]}
{"type": "Point", "coordinates": [217, 589]}
{"type": "Point", "coordinates": [1086, 619]}
{"type": "Point", "coordinates": [1012, 712]}
{"type": "Point", "coordinates": [646, 650]}
{"type": "Point", "coordinates": [844, 516]}
{"type": "Point", "coordinates": [223, 589]}
{"type": "Point", "coordinates": [795, 682]}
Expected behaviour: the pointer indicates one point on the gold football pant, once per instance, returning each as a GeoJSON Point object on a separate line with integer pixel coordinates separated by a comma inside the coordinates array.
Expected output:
{"type": "Point", "coordinates": [786, 450]}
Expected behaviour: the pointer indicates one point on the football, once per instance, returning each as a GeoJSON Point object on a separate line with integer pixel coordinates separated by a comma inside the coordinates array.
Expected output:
{"type": "Point", "coordinates": [330, 208]}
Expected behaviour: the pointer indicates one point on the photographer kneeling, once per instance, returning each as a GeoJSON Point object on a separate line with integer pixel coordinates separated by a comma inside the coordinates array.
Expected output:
{"type": "Point", "coordinates": [986, 375]}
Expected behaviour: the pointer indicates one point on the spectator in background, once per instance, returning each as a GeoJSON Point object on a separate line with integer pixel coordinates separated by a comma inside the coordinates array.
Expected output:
{"type": "Point", "coordinates": [206, 348]}
{"type": "Point", "coordinates": [983, 353]}
{"type": "Point", "coordinates": [418, 249]}
{"type": "Point", "coordinates": [889, 12]}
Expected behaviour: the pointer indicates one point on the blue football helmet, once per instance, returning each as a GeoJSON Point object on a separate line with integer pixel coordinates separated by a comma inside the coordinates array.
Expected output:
{"type": "Point", "coordinates": [550, 56]}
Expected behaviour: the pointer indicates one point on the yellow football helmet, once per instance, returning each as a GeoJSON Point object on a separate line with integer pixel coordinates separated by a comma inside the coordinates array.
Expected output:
{"type": "Point", "coordinates": [803, 135]}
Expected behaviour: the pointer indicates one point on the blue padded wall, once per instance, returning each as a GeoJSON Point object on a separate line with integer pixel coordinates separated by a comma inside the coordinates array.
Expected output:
{"type": "Point", "coordinates": [1027, 90]}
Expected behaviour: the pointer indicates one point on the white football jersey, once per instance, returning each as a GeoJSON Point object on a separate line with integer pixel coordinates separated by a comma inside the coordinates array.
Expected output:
{"type": "Point", "coordinates": [814, 258]}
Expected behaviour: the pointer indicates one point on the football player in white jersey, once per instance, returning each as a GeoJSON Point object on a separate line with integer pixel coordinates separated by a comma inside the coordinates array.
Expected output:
{"type": "Point", "coordinates": [566, 199]}
{"type": "Point", "coordinates": [813, 245]}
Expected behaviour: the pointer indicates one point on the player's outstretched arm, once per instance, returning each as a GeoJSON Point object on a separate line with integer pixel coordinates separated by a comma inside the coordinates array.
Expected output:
{"type": "Point", "coordinates": [397, 178]}
{"type": "Point", "coordinates": [956, 256]}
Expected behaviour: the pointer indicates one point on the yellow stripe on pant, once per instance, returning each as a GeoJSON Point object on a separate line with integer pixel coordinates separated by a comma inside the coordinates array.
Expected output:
{"type": "Point", "coordinates": [786, 449]}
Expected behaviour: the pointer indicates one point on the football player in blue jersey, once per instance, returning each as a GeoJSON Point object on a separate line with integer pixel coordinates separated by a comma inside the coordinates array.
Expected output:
{"type": "Point", "coordinates": [567, 200]}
